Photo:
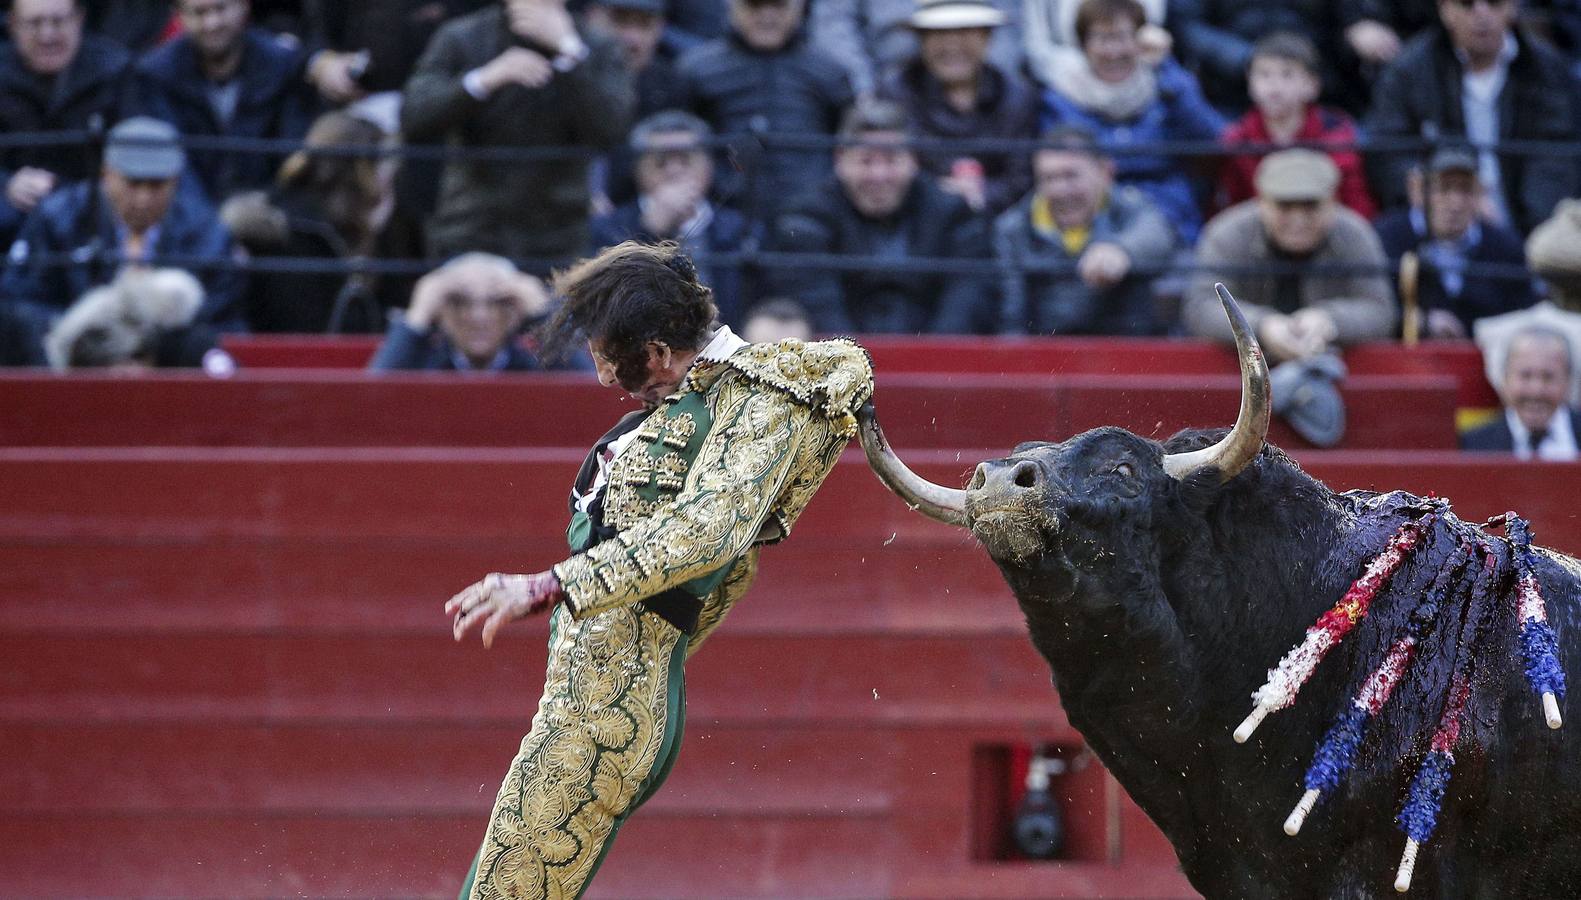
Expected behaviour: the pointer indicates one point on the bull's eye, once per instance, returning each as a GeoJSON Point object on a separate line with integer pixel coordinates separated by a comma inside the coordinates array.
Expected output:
{"type": "Point", "coordinates": [1124, 469]}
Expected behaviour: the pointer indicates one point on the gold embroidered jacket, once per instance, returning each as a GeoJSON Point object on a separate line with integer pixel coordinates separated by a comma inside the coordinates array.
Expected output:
{"type": "Point", "coordinates": [772, 421]}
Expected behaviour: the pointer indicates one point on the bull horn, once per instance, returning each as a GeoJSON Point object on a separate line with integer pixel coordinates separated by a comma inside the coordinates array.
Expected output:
{"type": "Point", "coordinates": [1238, 448]}
{"type": "Point", "coordinates": [947, 505]}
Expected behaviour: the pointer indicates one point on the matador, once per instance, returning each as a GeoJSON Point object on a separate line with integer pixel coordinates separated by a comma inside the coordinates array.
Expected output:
{"type": "Point", "coordinates": [667, 514]}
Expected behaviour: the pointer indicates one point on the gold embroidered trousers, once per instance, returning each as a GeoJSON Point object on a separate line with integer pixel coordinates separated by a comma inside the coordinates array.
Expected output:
{"type": "Point", "coordinates": [607, 730]}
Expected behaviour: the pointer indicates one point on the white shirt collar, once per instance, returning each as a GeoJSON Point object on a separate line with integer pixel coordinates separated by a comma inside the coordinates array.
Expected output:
{"type": "Point", "coordinates": [722, 346]}
{"type": "Point", "coordinates": [1559, 445]}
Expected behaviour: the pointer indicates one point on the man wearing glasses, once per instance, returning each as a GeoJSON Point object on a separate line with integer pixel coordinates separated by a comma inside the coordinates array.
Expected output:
{"type": "Point", "coordinates": [1478, 77]}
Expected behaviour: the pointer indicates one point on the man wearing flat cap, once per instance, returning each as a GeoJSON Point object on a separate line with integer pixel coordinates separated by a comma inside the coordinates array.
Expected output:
{"type": "Point", "coordinates": [1320, 278]}
{"type": "Point", "coordinates": [1471, 267]}
{"type": "Point", "coordinates": [137, 214]}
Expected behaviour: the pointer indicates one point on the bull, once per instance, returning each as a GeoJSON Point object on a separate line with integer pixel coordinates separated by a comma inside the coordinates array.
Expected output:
{"type": "Point", "coordinates": [1161, 580]}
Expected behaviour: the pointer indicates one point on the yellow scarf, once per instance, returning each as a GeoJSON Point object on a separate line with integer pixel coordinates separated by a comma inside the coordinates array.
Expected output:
{"type": "Point", "coordinates": [1074, 240]}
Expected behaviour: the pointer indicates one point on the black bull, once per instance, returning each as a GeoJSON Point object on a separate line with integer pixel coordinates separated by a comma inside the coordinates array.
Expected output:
{"type": "Point", "coordinates": [1162, 581]}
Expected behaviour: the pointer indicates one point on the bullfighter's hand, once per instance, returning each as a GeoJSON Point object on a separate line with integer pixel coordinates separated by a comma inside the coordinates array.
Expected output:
{"type": "Point", "coordinates": [499, 599]}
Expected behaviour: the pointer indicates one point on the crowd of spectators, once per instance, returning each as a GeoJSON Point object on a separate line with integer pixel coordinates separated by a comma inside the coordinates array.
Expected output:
{"type": "Point", "coordinates": [908, 166]}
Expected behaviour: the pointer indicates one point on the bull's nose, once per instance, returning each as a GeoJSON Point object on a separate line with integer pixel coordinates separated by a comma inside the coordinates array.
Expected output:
{"type": "Point", "coordinates": [1007, 476]}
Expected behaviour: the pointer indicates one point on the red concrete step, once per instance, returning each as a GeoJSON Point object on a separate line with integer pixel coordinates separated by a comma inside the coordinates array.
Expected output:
{"type": "Point", "coordinates": [805, 586]}
{"type": "Point", "coordinates": [940, 354]}
{"type": "Point", "coordinates": [518, 495]}
{"type": "Point", "coordinates": [332, 409]}
{"type": "Point", "coordinates": [982, 679]}
{"type": "Point", "coordinates": [196, 766]}
{"type": "Point", "coordinates": [656, 856]}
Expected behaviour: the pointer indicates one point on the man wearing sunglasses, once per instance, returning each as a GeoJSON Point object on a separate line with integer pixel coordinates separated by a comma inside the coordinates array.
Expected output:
{"type": "Point", "coordinates": [1478, 77]}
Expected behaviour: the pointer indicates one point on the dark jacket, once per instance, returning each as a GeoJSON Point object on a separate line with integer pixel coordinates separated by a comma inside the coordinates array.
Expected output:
{"type": "Point", "coordinates": [1481, 293]}
{"type": "Point", "coordinates": [1060, 302]}
{"type": "Point", "coordinates": [1495, 436]}
{"type": "Point", "coordinates": [726, 233]}
{"type": "Point", "coordinates": [1421, 91]}
{"type": "Point", "coordinates": [798, 90]}
{"type": "Point", "coordinates": [290, 222]}
{"type": "Point", "coordinates": [275, 102]}
{"type": "Point", "coordinates": [392, 32]}
{"type": "Point", "coordinates": [61, 225]}
{"type": "Point", "coordinates": [1006, 107]}
{"type": "Point", "coordinates": [92, 86]}
{"type": "Point", "coordinates": [522, 210]}
{"type": "Point", "coordinates": [20, 342]}
{"type": "Point", "coordinates": [929, 223]}
{"type": "Point", "coordinates": [405, 347]}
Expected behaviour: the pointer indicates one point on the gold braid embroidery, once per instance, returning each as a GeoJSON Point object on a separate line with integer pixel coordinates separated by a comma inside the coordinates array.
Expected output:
{"type": "Point", "coordinates": [598, 731]}
{"type": "Point", "coordinates": [734, 483]}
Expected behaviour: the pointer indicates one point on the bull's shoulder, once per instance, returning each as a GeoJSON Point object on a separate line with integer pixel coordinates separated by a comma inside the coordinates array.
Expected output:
{"type": "Point", "coordinates": [833, 378]}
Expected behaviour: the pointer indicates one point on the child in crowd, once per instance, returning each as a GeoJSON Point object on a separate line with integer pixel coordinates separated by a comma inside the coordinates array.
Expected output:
{"type": "Point", "coordinates": [1283, 80]}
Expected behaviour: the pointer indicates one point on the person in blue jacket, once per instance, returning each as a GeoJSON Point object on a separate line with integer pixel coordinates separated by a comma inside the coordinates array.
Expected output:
{"type": "Point", "coordinates": [136, 213]}
{"type": "Point", "coordinates": [1110, 90]}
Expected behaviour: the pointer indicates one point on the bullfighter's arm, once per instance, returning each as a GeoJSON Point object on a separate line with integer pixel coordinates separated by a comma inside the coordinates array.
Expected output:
{"type": "Point", "coordinates": [744, 465]}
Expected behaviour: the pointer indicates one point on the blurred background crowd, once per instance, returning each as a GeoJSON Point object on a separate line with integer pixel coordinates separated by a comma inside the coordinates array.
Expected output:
{"type": "Point", "coordinates": [1354, 170]}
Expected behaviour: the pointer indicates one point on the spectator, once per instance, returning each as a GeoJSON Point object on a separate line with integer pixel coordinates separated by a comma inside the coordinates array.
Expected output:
{"type": "Point", "coordinates": [79, 236]}
{"type": "Point", "coordinates": [1537, 420]}
{"type": "Point", "coordinates": [519, 74]}
{"type": "Point", "coordinates": [1077, 222]}
{"type": "Point", "coordinates": [465, 317]}
{"type": "Point", "coordinates": [870, 39]}
{"type": "Point", "coordinates": [1554, 253]}
{"type": "Point", "coordinates": [1443, 229]}
{"type": "Point", "coordinates": [675, 172]}
{"type": "Point", "coordinates": [1298, 307]}
{"type": "Point", "coordinates": [767, 78]}
{"type": "Point", "coordinates": [324, 206]}
{"type": "Point", "coordinates": [1215, 38]}
{"type": "Point", "coordinates": [636, 26]}
{"type": "Point", "coordinates": [1476, 77]}
{"type": "Point", "coordinates": [879, 207]}
{"type": "Point", "coordinates": [1284, 80]}
{"type": "Point", "coordinates": [370, 47]}
{"type": "Point", "coordinates": [777, 319]}
{"type": "Point", "coordinates": [1048, 32]}
{"type": "Point", "coordinates": [52, 78]}
{"type": "Point", "coordinates": [143, 319]}
{"type": "Point", "coordinates": [952, 92]}
{"type": "Point", "coordinates": [224, 79]}
{"type": "Point", "coordinates": [1110, 91]}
